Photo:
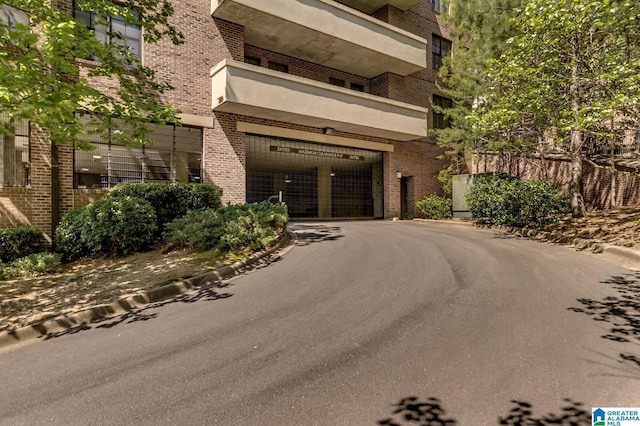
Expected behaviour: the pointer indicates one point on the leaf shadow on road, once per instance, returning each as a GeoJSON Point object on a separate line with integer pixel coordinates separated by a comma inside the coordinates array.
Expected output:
{"type": "Point", "coordinates": [210, 291]}
{"type": "Point", "coordinates": [307, 234]}
{"type": "Point", "coordinates": [429, 412]}
{"type": "Point", "coordinates": [621, 313]}
{"type": "Point", "coordinates": [148, 312]}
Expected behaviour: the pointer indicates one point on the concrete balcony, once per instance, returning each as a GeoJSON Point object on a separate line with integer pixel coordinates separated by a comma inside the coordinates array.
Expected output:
{"type": "Point", "coordinates": [327, 33]}
{"type": "Point", "coordinates": [370, 6]}
{"type": "Point", "coordinates": [255, 91]}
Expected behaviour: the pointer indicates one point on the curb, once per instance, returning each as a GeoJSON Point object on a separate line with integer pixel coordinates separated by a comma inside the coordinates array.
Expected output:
{"type": "Point", "coordinates": [64, 323]}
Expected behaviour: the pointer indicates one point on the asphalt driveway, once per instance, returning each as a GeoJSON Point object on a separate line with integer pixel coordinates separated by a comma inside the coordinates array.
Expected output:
{"type": "Point", "coordinates": [361, 323]}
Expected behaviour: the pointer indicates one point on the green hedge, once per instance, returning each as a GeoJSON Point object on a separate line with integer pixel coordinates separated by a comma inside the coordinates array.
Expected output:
{"type": "Point", "coordinates": [19, 241]}
{"type": "Point", "coordinates": [498, 199]}
{"type": "Point", "coordinates": [434, 207]}
{"type": "Point", "coordinates": [233, 228]}
{"type": "Point", "coordinates": [171, 200]}
{"type": "Point", "coordinates": [115, 226]}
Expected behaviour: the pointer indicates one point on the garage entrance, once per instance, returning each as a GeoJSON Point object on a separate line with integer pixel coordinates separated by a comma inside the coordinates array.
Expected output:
{"type": "Point", "coordinates": [316, 181]}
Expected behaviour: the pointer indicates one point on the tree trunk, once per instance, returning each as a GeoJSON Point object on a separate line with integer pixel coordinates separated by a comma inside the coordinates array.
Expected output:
{"type": "Point", "coordinates": [575, 186]}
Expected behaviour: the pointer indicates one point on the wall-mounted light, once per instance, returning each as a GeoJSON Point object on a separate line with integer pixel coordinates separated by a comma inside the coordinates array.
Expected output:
{"type": "Point", "coordinates": [287, 180]}
{"type": "Point", "coordinates": [328, 130]}
{"type": "Point", "coordinates": [97, 157]}
{"type": "Point", "coordinates": [399, 175]}
{"type": "Point", "coordinates": [333, 174]}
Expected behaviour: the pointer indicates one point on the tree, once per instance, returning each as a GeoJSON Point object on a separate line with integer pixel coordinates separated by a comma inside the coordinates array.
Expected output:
{"type": "Point", "coordinates": [572, 70]}
{"type": "Point", "coordinates": [480, 29]}
{"type": "Point", "coordinates": [46, 79]}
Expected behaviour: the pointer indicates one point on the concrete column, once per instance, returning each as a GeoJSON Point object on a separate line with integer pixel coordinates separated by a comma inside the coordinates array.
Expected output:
{"type": "Point", "coordinates": [324, 191]}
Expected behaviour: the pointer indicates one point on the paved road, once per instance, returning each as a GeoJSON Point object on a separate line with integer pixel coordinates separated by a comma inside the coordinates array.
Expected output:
{"type": "Point", "coordinates": [358, 321]}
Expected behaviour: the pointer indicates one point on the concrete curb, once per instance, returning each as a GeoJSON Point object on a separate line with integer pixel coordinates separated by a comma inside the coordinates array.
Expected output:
{"type": "Point", "coordinates": [64, 323]}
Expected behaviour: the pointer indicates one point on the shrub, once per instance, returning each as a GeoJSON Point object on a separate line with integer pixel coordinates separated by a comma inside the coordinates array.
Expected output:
{"type": "Point", "coordinates": [18, 242]}
{"type": "Point", "coordinates": [116, 226]}
{"type": "Point", "coordinates": [171, 200]}
{"type": "Point", "coordinates": [236, 227]}
{"type": "Point", "coordinates": [434, 207]}
{"type": "Point", "coordinates": [33, 264]}
{"type": "Point", "coordinates": [498, 199]}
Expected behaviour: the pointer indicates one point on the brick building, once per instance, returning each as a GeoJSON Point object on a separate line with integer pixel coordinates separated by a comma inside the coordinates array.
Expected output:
{"type": "Point", "coordinates": [321, 103]}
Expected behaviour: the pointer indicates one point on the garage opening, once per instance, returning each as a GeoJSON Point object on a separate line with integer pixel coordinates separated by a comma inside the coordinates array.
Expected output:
{"type": "Point", "coordinates": [315, 180]}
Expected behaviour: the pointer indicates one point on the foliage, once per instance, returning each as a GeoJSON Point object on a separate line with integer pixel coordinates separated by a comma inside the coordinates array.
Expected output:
{"type": "Point", "coordinates": [115, 226]}
{"type": "Point", "coordinates": [434, 207]}
{"type": "Point", "coordinates": [44, 78]}
{"type": "Point", "coordinates": [19, 241]}
{"type": "Point", "coordinates": [232, 228]}
{"type": "Point", "coordinates": [480, 29]}
{"type": "Point", "coordinates": [570, 68]}
{"type": "Point", "coordinates": [171, 200]}
{"type": "Point", "coordinates": [33, 264]}
{"type": "Point", "coordinates": [498, 199]}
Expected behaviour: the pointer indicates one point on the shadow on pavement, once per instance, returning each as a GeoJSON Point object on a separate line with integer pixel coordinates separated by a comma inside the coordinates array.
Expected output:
{"type": "Point", "coordinates": [429, 412]}
{"type": "Point", "coordinates": [208, 292]}
{"type": "Point", "coordinates": [310, 233]}
{"type": "Point", "coordinates": [620, 313]}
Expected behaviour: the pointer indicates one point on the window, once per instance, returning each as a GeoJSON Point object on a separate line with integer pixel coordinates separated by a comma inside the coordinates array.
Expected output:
{"type": "Point", "coordinates": [440, 48]}
{"type": "Point", "coordinates": [175, 155]}
{"type": "Point", "coordinates": [131, 34]}
{"type": "Point", "coordinates": [440, 6]}
{"type": "Point", "coordinates": [336, 81]}
{"type": "Point", "coordinates": [358, 87]}
{"type": "Point", "coordinates": [278, 67]}
{"type": "Point", "coordinates": [11, 16]}
{"type": "Point", "coordinates": [439, 120]}
{"type": "Point", "coordinates": [14, 154]}
{"type": "Point", "coordinates": [252, 60]}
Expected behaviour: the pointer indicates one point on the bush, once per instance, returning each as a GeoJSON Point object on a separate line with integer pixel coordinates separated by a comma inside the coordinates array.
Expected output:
{"type": "Point", "coordinates": [33, 264]}
{"type": "Point", "coordinates": [115, 226]}
{"type": "Point", "coordinates": [171, 200]}
{"type": "Point", "coordinates": [236, 227]}
{"type": "Point", "coordinates": [434, 207]}
{"type": "Point", "coordinates": [18, 242]}
{"type": "Point", "coordinates": [498, 199]}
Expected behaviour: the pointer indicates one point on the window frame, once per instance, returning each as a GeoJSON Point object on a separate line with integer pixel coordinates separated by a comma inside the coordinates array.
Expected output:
{"type": "Point", "coordinates": [102, 33]}
{"type": "Point", "coordinates": [26, 176]}
{"type": "Point", "coordinates": [439, 119]}
{"type": "Point", "coordinates": [437, 55]}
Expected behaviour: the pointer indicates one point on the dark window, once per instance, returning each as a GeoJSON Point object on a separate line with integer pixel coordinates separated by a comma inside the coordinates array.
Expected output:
{"type": "Point", "coordinates": [440, 6]}
{"type": "Point", "coordinates": [278, 67]}
{"type": "Point", "coordinates": [336, 81]}
{"type": "Point", "coordinates": [252, 60]}
{"type": "Point", "coordinates": [439, 120]}
{"type": "Point", "coordinates": [440, 48]}
{"type": "Point", "coordinates": [14, 153]}
{"type": "Point", "coordinates": [358, 87]}
{"type": "Point", "coordinates": [104, 30]}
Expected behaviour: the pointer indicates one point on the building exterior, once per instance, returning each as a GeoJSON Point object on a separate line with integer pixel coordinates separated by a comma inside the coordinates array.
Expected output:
{"type": "Point", "coordinates": [323, 104]}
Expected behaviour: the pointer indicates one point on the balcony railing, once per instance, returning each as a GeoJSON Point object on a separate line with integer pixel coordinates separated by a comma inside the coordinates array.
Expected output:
{"type": "Point", "coordinates": [255, 91]}
{"type": "Point", "coordinates": [328, 33]}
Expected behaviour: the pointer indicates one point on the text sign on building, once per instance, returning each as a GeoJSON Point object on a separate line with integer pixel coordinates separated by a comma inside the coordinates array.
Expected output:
{"type": "Point", "coordinates": [316, 153]}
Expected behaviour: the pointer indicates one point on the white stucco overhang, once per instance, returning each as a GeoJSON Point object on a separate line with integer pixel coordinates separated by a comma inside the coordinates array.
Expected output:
{"type": "Point", "coordinates": [327, 33]}
{"type": "Point", "coordinates": [370, 6]}
{"type": "Point", "coordinates": [255, 91]}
